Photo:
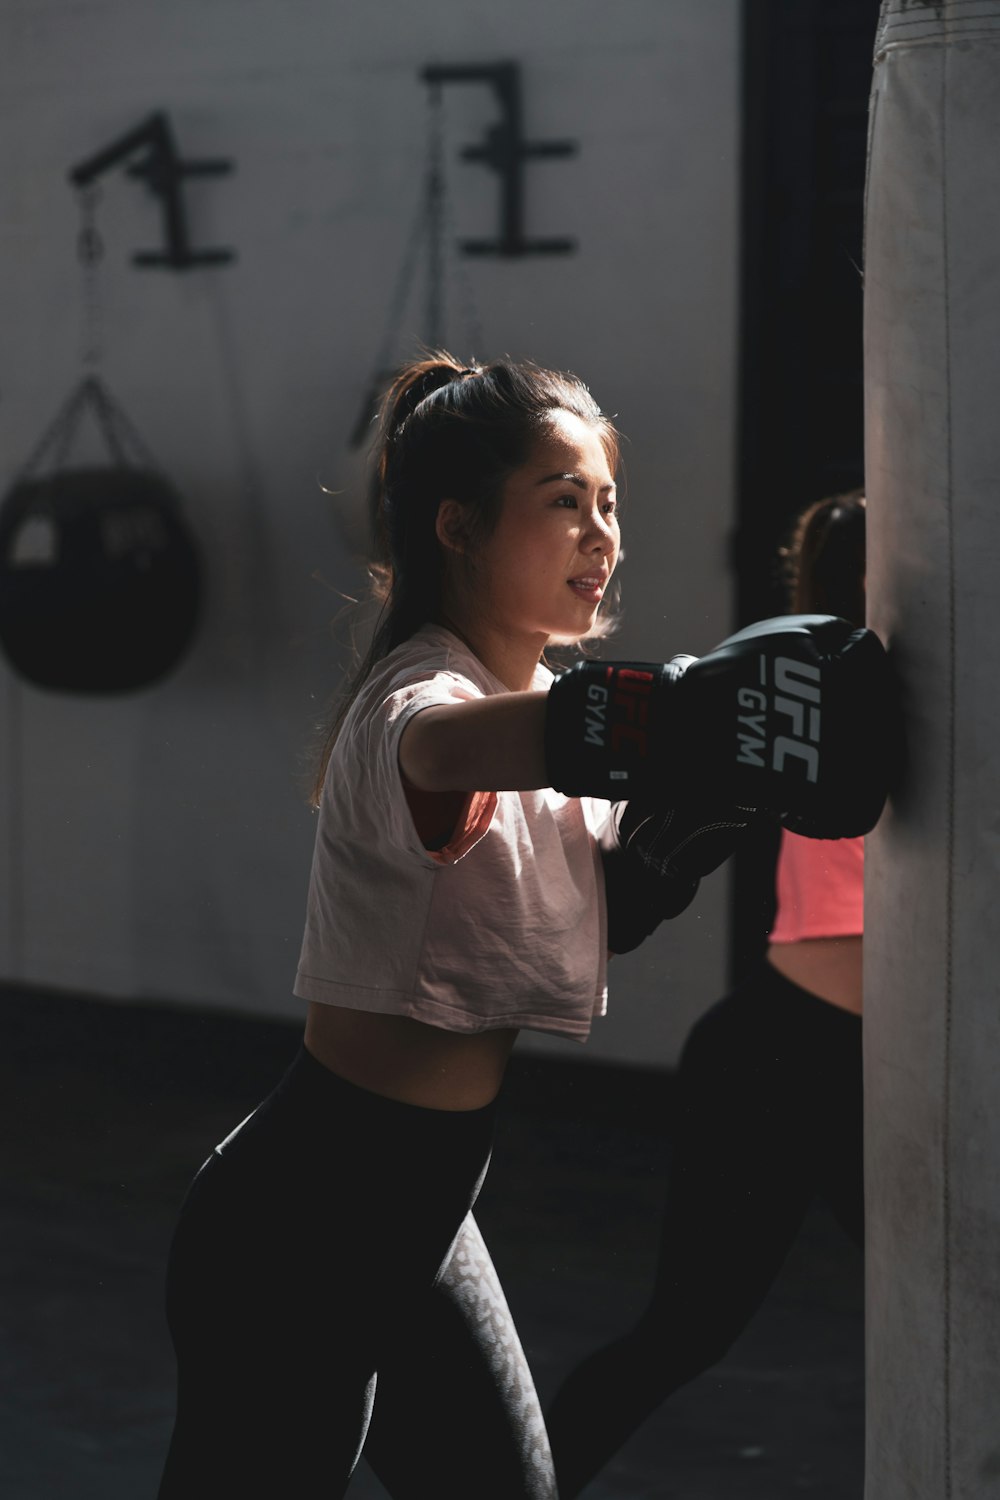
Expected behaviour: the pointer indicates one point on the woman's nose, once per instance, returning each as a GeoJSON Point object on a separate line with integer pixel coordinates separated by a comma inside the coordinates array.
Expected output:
{"type": "Point", "coordinates": [601, 534]}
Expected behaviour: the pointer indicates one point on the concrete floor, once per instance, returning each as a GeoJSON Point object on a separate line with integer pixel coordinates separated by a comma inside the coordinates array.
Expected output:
{"type": "Point", "coordinates": [109, 1109]}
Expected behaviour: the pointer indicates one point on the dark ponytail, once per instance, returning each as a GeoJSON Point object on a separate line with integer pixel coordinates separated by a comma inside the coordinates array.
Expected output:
{"type": "Point", "coordinates": [824, 561]}
{"type": "Point", "coordinates": [447, 431]}
{"type": "Point", "coordinates": [405, 489]}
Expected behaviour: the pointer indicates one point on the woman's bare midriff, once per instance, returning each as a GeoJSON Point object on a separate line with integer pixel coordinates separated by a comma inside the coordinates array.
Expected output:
{"type": "Point", "coordinates": [827, 967]}
{"type": "Point", "coordinates": [407, 1060]}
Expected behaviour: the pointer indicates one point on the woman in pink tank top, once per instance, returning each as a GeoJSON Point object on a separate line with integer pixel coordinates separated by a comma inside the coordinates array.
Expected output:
{"type": "Point", "coordinates": [769, 1100]}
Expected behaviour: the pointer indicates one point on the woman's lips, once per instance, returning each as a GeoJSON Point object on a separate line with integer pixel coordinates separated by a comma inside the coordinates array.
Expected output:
{"type": "Point", "coordinates": [590, 586]}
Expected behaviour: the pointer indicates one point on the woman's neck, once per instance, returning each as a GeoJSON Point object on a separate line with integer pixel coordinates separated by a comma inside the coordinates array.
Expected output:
{"type": "Point", "coordinates": [511, 659]}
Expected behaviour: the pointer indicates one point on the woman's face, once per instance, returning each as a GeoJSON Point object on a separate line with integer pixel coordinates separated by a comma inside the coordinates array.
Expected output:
{"type": "Point", "coordinates": [544, 570]}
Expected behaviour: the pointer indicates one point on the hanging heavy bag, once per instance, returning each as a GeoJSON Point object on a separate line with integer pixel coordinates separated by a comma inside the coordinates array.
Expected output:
{"type": "Point", "coordinates": [100, 581]}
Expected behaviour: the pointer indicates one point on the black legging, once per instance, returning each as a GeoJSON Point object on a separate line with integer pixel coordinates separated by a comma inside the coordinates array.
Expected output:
{"type": "Point", "coordinates": [303, 1266]}
{"type": "Point", "coordinates": [769, 1114]}
{"type": "Point", "coordinates": [457, 1415]}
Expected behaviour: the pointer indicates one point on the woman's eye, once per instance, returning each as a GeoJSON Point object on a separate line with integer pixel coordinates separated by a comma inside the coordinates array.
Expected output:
{"type": "Point", "coordinates": [567, 500]}
{"type": "Point", "coordinates": [611, 508]}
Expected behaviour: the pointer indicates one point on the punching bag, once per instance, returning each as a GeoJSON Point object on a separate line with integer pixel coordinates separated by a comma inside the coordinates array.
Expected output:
{"type": "Point", "coordinates": [932, 872]}
{"type": "Point", "coordinates": [100, 580]}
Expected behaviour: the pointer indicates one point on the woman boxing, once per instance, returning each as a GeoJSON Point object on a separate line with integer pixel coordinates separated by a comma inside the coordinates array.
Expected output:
{"type": "Point", "coordinates": [456, 895]}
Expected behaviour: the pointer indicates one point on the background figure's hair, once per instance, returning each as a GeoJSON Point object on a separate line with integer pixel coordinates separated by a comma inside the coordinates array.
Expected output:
{"type": "Point", "coordinates": [824, 559]}
{"type": "Point", "coordinates": [448, 431]}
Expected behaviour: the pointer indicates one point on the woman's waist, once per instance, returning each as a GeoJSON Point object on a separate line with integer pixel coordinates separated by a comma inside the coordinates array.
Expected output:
{"type": "Point", "coordinates": [407, 1060]}
{"type": "Point", "coordinates": [828, 967]}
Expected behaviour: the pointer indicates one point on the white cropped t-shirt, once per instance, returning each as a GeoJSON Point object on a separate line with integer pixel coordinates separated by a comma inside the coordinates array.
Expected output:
{"type": "Point", "coordinates": [505, 926]}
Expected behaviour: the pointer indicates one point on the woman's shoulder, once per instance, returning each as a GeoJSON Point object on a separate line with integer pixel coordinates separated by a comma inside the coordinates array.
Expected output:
{"type": "Point", "coordinates": [431, 665]}
{"type": "Point", "coordinates": [821, 862]}
{"type": "Point", "coordinates": [431, 651]}
{"type": "Point", "coordinates": [848, 853]}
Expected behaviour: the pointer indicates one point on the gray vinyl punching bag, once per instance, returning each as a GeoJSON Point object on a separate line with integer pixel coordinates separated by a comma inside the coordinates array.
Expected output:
{"type": "Point", "coordinates": [932, 899]}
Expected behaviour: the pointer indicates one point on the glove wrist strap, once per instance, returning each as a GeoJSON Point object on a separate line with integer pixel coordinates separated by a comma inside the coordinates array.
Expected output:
{"type": "Point", "coordinates": [603, 735]}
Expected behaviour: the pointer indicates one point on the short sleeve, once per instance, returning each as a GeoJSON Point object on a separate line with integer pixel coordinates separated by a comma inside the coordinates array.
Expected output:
{"type": "Point", "coordinates": [385, 726]}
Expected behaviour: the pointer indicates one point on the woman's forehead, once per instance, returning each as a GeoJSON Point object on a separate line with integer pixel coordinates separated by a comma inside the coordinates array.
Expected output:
{"type": "Point", "coordinates": [569, 444]}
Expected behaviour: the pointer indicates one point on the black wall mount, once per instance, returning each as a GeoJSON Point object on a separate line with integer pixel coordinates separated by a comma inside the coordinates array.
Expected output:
{"type": "Point", "coordinates": [505, 151]}
{"type": "Point", "coordinates": [163, 170]}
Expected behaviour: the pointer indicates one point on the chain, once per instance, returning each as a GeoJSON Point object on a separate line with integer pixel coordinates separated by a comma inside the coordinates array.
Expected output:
{"type": "Point", "coordinates": [446, 265]}
{"type": "Point", "coordinates": [90, 253]}
{"type": "Point", "coordinates": [454, 265]}
{"type": "Point", "coordinates": [434, 224]}
{"type": "Point", "coordinates": [436, 212]}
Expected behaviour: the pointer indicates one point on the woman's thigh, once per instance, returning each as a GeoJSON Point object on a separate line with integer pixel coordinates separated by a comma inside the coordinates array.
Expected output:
{"type": "Point", "coordinates": [456, 1412]}
{"type": "Point", "coordinates": [300, 1250]}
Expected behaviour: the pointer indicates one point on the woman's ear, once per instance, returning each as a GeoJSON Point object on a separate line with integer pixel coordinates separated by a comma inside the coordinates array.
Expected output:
{"type": "Point", "coordinates": [450, 525]}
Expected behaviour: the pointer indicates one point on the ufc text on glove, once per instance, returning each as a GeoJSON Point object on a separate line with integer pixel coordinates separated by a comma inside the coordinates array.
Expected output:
{"type": "Point", "coordinates": [792, 716]}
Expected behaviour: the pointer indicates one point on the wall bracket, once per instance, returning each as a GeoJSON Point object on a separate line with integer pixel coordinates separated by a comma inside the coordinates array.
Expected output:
{"type": "Point", "coordinates": [163, 170]}
{"type": "Point", "coordinates": [505, 151]}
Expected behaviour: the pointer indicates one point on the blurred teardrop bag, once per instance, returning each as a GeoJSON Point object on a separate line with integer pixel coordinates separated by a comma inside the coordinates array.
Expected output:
{"type": "Point", "coordinates": [100, 581]}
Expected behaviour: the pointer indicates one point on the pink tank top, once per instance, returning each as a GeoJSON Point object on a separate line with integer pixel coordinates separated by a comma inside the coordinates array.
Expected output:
{"type": "Point", "coordinates": [820, 888]}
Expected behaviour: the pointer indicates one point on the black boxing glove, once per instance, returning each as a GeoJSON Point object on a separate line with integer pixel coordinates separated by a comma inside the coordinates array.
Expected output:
{"type": "Point", "coordinates": [654, 859]}
{"type": "Point", "coordinates": [791, 716]}
{"type": "Point", "coordinates": [814, 720]}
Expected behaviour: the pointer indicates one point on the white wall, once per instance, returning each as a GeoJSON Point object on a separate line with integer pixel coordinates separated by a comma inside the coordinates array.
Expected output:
{"type": "Point", "coordinates": [157, 846]}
